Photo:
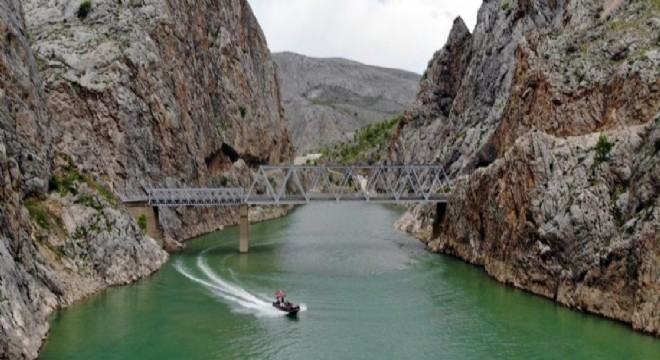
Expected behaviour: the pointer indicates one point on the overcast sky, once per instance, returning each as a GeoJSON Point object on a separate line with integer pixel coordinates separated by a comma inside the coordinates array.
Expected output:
{"type": "Point", "coordinates": [400, 34]}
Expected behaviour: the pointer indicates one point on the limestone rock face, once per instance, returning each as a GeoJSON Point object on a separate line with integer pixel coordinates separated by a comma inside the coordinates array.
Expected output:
{"type": "Point", "coordinates": [24, 168]}
{"type": "Point", "coordinates": [160, 94]}
{"type": "Point", "coordinates": [325, 100]}
{"type": "Point", "coordinates": [516, 120]}
{"type": "Point", "coordinates": [548, 218]}
{"type": "Point", "coordinates": [43, 263]}
{"type": "Point", "coordinates": [94, 110]}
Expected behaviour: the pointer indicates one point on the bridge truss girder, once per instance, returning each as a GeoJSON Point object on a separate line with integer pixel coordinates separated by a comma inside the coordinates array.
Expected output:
{"type": "Point", "coordinates": [292, 184]}
{"type": "Point", "coordinates": [382, 183]}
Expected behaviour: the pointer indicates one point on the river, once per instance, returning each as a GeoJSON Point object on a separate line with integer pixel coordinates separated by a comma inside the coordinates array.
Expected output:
{"type": "Point", "coordinates": [368, 292]}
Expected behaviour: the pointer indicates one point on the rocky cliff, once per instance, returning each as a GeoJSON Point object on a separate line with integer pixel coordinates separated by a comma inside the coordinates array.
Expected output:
{"type": "Point", "coordinates": [514, 111]}
{"type": "Point", "coordinates": [160, 93]}
{"type": "Point", "coordinates": [97, 106]}
{"type": "Point", "coordinates": [327, 99]}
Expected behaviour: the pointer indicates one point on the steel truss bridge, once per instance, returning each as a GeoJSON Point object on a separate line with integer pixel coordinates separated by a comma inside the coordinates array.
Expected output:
{"type": "Point", "coordinates": [292, 184]}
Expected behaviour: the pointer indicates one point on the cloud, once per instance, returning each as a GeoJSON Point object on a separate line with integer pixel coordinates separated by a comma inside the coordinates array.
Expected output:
{"type": "Point", "coordinates": [391, 33]}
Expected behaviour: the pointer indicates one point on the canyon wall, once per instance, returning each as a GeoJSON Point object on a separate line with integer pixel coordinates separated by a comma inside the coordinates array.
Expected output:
{"type": "Point", "coordinates": [515, 112]}
{"type": "Point", "coordinates": [160, 94]}
{"type": "Point", "coordinates": [95, 108]}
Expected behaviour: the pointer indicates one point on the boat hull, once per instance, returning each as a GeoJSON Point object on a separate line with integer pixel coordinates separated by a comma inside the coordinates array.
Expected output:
{"type": "Point", "coordinates": [290, 309]}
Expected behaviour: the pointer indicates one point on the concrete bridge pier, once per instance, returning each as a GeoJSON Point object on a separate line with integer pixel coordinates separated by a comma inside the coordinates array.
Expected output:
{"type": "Point", "coordinates": [243, 230]}
{"type": "Point", "coordinates": [151, 215]}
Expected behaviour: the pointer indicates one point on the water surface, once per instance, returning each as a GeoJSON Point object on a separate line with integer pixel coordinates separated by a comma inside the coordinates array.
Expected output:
{"type": "Point", "coordinates": [369, 292]}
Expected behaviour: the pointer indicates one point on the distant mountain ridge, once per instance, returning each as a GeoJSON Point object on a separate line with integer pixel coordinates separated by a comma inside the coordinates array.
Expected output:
{"type": "Point", "coordinates": [327, 98]}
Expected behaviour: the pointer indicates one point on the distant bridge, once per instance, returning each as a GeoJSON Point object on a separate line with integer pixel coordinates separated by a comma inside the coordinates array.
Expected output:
{"type": "Point", "coordinates": [293, 184]}
{"type": "Point", "coordinates": [304, 184]}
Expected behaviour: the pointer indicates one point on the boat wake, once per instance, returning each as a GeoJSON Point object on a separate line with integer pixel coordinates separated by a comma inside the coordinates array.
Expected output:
{"type": "Point", "coordinates": [240, 299]}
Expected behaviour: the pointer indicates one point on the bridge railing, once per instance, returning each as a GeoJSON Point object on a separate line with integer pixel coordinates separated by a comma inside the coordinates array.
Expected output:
{"type": "Point", "coordinates": [195, 197]}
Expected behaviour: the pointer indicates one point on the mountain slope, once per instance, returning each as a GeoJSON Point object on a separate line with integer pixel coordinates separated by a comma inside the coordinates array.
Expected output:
{"type": "Point", "coordinates": [324, 99]}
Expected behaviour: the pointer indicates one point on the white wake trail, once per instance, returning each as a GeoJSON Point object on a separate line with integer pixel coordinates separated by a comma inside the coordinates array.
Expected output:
{"type": "Point", "coordinates": [240, 299]}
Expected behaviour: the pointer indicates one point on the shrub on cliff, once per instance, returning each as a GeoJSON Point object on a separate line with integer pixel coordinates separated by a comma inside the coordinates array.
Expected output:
{"type": "Point", "coordinates": [603, 148]}
{"type": "Point", "coordinates": [84, 9]}
{"type": "Point", "coordinates": [142, 222]}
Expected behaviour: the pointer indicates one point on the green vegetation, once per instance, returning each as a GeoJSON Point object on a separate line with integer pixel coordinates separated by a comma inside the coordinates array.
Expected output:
{"type": "Point", "coordinates": [64, 180]}
{"type": "Point", "coordinates": [603, 148]}
{"type": "Point", "coordinates": [242, 110]}
{"type": "Point", "coordinates": [505, 6]}
{"type": "Point", "coordinates": [89, 201]}
{"type": "Point", "coordinates": [103, 191]}
{"type": "Point", "coordinates": [44, 217]}
{"type": "Point", "coordinates": [657, 146]}
{"type": "Point", "coordinates": [84, 9]}
{"type": "Point", "coordinates": [142, 222]}
{"type": "Point", "coordinates": [83, 231]}
{"type": "Point", "coordinates": [369, 140]}
{"type": "Point", "coordinates": [38, 213]}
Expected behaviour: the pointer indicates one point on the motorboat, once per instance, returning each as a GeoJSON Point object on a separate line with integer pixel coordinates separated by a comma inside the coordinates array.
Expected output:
{"type": "Point", "coordinates": [288, 307]}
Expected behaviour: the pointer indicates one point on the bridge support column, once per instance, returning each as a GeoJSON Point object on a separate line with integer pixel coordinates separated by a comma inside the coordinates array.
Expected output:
{"type": "Point", "coordinates": [243, 229]}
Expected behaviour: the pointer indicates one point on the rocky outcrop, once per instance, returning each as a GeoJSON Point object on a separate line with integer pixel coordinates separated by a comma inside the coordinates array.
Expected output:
{"type": "Point", "coordinates": [96, 107]}
{"type": "Point", "coordinates": [328, 99]}
{"type": "Point", "coordinates": [536, 201]}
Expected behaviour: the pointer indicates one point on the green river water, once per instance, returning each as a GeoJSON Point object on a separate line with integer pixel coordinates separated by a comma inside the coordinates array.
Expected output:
{"type": "Point", "coordinates": [368, 292]}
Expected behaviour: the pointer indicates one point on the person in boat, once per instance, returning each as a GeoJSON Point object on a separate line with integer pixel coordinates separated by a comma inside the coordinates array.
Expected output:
{"type": "Point", "coordinates": [279, 297]}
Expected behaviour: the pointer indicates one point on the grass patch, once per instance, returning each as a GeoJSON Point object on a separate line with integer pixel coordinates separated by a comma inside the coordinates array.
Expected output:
{"type": "Point", "coordinates": [64, 180]}
{"type": "Point", "coordinates": [38, 213]}
{"type": "Point", "coordinates": [103, 191]}
{"type": "Point", "coordinates": [44, 217]}
{"type": "Point", "coordinates": [505, 6]}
